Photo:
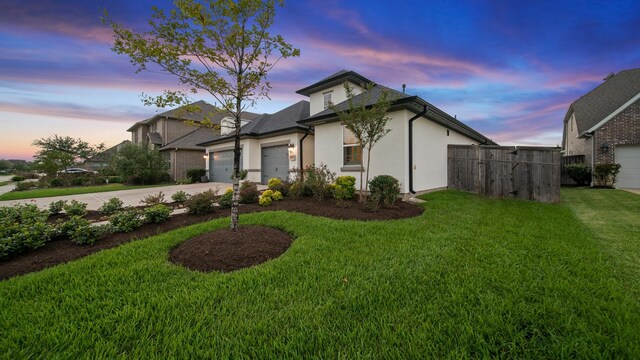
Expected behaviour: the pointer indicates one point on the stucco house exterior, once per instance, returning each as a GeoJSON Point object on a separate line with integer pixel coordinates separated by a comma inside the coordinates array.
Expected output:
{"type": "Point", "coordinates": [604, 126]}
{"type": "Point", "coordinates": [308, 132]}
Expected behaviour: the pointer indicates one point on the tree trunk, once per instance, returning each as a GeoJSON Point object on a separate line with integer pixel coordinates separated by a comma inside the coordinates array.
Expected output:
{"type": "Point", "coordinates": [236, 179]}
{"type": "Point", "coordinates": [366, 184]}
{"type": "Point", "coordinates": [361, 198]}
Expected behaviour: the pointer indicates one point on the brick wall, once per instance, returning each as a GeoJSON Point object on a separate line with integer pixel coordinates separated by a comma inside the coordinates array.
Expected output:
{"type": "Point", "coordinates": [183, 160]}
{"type": "Point", "coordinates": [623, 129]}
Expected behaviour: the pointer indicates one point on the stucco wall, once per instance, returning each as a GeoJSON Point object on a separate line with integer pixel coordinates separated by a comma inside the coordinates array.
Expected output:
{"type": "Point", "coordinates": [338, 95]}
{"type": "Point", "coordinates": [622, 129]}
{"type": "Point", "coordinates": [575, 145]}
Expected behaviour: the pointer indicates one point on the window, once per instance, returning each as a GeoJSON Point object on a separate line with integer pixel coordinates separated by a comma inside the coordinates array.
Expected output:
{"type": "Point", "coordinates": [327, 100]}
{"type": "Point", "coordinates": [352, 151]}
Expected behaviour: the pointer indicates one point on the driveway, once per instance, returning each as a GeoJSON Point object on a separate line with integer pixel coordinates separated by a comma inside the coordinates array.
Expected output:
{"type": "Point", "coordinates": [635, 191]}
{"type": "Point", "coordinates": [128, 197]}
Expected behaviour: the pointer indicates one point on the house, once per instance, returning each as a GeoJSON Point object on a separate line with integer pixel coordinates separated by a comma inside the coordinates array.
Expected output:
{"type": "Point", "coordinates": [604, 126]}
{"type": "Point", "coordinates": [103, 159]}
{"type": "Point", "coordinates": [169, 133]}
{"type": "Point", "coordinates": [308, 132]}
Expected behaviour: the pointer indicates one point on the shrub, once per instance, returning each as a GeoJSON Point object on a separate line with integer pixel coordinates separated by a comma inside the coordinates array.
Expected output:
{"type": "Point", "coordinates": [151, 200]}
{"type": "Point", "coordinates": [22, 227]}
{"type": "Point", "coordinates": [114, 179]}
{"type": "Point", "coordinates": [79, 181]}
{"type": "Point", "coordinates": [126, 221]}
{"type": "Point", "coordinates": [179, 197]}
{"type": "Point", "coordinates": [56, 182]}
{"type": "Point", "coordinates": [111, 206]}
{"type": "Point", "coordinates": [140, 164]}
{"type": "Point", "coordinates": [56, 207]}
{"type": "Point", "coordinates": [69, 227]}
{"type": "Point", "coordinates": [265, 200]}
{"type": "Point", "coordinates": [370, 205]}
{"type": "Point", "coordinates": [25, 185]}
{"type": "Point", "coordinates": [267, 193]}
{"type": "Point", "coordinates": [277, 184]}
{"type": "Point", "coordinates": [384, 190]}
{"type": "Point", "coordinates": [605, 174]}
{"type": "Point", "coordinates": [202, 203]}
{"type": "Point", "coordinates": [157, 213]}
{"type": "Point", "coordinates": [89, 234]}
{"type": "Point", "coordinates": [226, 200]}
{"type": "Point", "coordinates": [317, 179]}
{"type": "Point", "coordinates": [75, 208]}
{"type": "Point", "coordinates": [273, 183]}
{"type": "Point", "coordinates": [195, 175]}
{"type": "Point", "coordinates": [17, 178]}
{"type": "Point", "coordinates": [249, 193]}
{"type": "Point", "coordinates": [580, 173]}
{"type": "Point", "coordinates": [345, 188]}
{"type": "Point", "coordinates": [277, 196]}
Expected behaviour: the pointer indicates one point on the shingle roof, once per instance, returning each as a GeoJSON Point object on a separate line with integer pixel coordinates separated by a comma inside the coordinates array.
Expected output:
{"type": "Point", "coordinates": [604, 99]}
{"type": "Point", "coordinates": [333, 80]}
{"type": "Point", "coordinates": [190, 140]}
{"type": "Point", "coordinates": [155, 138]}
{"type": "Point", "coordinates": [107, 154]}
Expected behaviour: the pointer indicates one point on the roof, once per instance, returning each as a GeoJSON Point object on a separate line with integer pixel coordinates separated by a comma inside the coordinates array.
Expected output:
{"type": "Point", "coordinates": [284, 120]}
{"type": "Point", "coordinates": [333, 80]}
{"type": "Point", "coordinates": [107, 154]}
{"type": "Point", "coordinates": [207, 111]}
{"type": "Point", "coordinates": [155, 138]}
{"type": "Point", "coordinates": [402, 100]}
{"type": "Point", "coordinates": [190, 140]}
{"type": "Point", "coordinates": [600, 102]}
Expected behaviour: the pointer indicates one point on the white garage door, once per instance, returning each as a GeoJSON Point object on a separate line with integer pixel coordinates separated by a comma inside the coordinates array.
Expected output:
{"type": "Point", "coordinates": [221, 166]}
{"type": "Point", "coordinates": [629, 159]}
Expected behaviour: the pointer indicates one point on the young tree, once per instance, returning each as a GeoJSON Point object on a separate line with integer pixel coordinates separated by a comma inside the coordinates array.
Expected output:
{"type": "Point", "coordinates": [221, 47]}
{"type": "Point", "coordinates": [366, 117]}
{"type": "Point", "coordinates": [140, 164]}
{"type": "Point", "coordinates": [60, 152]}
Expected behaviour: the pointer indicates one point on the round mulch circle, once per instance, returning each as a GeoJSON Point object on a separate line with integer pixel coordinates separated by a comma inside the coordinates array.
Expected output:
{"type": "Point", "coordinates": [225, 250]}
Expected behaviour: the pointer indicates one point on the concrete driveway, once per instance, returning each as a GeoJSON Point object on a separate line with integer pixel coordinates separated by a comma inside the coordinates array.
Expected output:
{"type": "Point", "coordinates": [128, 197]}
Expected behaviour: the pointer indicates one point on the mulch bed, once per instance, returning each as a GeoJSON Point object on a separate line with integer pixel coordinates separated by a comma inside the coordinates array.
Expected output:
{"type": "Point", "coordinates": [63, 250]}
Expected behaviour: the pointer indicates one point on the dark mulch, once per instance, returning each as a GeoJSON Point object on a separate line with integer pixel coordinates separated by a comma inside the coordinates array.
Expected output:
{"type": "Point", "coordinates": [62, 250]}
{"type": "Point", "coordinates": [225, 250]}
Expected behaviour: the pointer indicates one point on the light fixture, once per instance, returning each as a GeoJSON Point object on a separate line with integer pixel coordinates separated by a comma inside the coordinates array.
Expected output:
{"type": "Point", "coordinates": [604, 147]}
{"type": "Point", "coordinates": [291, 145]}
{"type": "Point", "coordinates": [206, 156]}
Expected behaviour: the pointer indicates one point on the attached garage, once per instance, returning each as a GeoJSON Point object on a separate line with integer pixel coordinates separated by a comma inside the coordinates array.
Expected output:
{"type": "Point", "coordinates": [221, 166]}
{"type": "Point", "coordinates": [629, 159]}
{"type": "Point", "coordinates": [275, 163]}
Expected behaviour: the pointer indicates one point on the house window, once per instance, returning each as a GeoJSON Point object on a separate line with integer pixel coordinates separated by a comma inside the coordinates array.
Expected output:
{"type": "Point", "coordinates": [327, 100]}
{"type": "Point", "coordinates": [352, 151]}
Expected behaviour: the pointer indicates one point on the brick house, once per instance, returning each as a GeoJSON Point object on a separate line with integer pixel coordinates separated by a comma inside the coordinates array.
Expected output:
{"type": "Point", "coordinates": [604, 126]}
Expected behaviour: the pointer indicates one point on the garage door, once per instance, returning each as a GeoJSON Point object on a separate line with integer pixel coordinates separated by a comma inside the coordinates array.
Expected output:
{"type": "Point", "coordinates": [629, 159]}
{"type": "Point", "coordinates": [221, 166]}
{"type": "Point", "coordinates": [275, 163]}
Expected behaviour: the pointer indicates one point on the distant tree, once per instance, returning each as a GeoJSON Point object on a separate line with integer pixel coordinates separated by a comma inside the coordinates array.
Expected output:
{"type": "Point", "coordinates": [140, 164]}
{"type": "Point", "coordinates": [366, 118]}
{"type": "Point", "coordinates": [221, 47]}
{"type": "Point", "coordinates": [5, 165]}
{"type": "Point", "coordinates": [60, 152]}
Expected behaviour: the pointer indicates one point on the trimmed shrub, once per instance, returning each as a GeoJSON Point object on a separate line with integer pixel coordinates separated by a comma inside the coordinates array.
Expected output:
{"type": "Point", "coordinates": [580, 173]}
{"type": "Point", "coordinates": [89, 234]}
{"type": "Point", "coordinates": [226, 200]}
{"type": "Point", "coordinates": [17, 178]}
{"type": "Point", "coordinates": [25, 185]}
{"type": "Point", "coordinates": [69, 227]}
{"type": "Point", "coordinates": [314, 181]}
{"type": "Point", "coordinates": [265, 200]}
{"type": "Point", "coordinates": [195, 175]}
{"type": "Point", "coordinates": [126, 221]}
{"type": "Point", "coordinates": [75, 208]}
{"type": "Point", "coordinates": [605, 174]}
{"type": "Point", "coordinates": [267, 193]}
{"type": "Point", "coordinates": [22, 227]}
{"type": "Point", "coordinates": [56, 182]}
{"type": "Point", "coordinates": [273, 183]}
{"type": "Point", "coordinates": [56, 207]}
{"type": "Point", "coordinates": [384, 190]}
{"type": "Point", "coordinates": [151, 200]}
{"type": "Point", "coordinates": [345, 188]}
{"type": "Point", "coordinates": [179, 197]}
{"type": "Point", "coordinates": [249, 193]}
{"type": "Point", "coordinates": [114, 180]}
{"type": "Point", "coordinates": [277, 196]}
{"type": "Point", "coordinates": [111, 206]}
{"type": "Point", "coordinates": [202, 203]}
{"type": "Point", "coordinates": [157, 213]}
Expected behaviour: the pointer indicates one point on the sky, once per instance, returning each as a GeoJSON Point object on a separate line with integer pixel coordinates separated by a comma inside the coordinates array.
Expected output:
{"type": "Point", "coordinates": [509, 69]}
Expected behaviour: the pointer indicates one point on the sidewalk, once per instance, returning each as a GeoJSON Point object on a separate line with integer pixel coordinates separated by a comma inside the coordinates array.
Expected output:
{"type": "Point", "coordinates": [128, 197]}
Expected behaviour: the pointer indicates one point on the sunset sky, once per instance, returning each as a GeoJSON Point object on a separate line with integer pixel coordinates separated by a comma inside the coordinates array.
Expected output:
{"type": "Point", "coordinates": [509, 69]}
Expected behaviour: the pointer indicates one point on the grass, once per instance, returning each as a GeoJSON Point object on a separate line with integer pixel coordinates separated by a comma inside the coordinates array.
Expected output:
{"type": "Point", "coordinates": [40, 193]}
{"type": "Point", "coordinates": [471, 277]}
{"type": "Point", "coordinates": [3, 183]}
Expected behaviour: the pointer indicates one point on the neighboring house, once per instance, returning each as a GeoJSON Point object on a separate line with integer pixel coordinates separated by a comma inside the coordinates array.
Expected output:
{"type": "Point", "coordinates": [168, 133]}
{"type": "Point", "coordinates": [415, 151]}
{"type": "Point", "coordinates": [103, 159]}
{"type": "Point", "coordinates": [273, 145]}
{"type": "Point", "coordinates": [604, 126]}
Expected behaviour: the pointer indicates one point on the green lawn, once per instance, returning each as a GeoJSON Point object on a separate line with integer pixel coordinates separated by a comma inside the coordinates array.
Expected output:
{"type": "Point", "coordinates": [40, 193]}
{"type": "Point", "coordinates": [3, 183]}
{"type": "Point", "coordinates": [471, 277]}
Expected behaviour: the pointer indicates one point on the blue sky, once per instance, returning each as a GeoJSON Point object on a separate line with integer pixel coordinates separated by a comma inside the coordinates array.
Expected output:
{"type": "Point", "coordinates": [509, 69]}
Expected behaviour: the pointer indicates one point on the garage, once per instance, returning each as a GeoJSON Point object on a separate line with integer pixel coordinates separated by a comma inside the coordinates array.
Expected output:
{"type": "Point", "coordinates": [629, 159]}
{"type": "Point", "coordinates": [275, 163]}
{"type": "Point", "coordinates": [221, 166]}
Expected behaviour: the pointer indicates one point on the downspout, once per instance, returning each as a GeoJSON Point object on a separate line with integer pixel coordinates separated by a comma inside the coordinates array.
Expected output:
{"type": "Point", "coordinates": [593, 159]}
{"type": "Point", "coordinates": [306, 133]}
{"type": "Point", "coordinates": [423, 112]}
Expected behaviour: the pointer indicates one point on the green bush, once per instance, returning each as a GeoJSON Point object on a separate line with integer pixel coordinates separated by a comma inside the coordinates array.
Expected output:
{"type": "Point", "coordinates": [277, 184]}
{"type": "Point", "coordinates": [114, 180]}
{"type": "Point", "coordinates": [605, 174]}
{"type": "Point", "coordinates": [126, 221]}
{"type": "Point", "coordinates": [580, 173]}
{"type": "Point", "coordinates": [17, 178]}
{"type": "Point", "coordinates": [265, 200]}
{"type": "Point", "coordinates": [195, 175]}
{"type": "Point", "coordinates": [22, 227]}
{"type": "Point", "coordinates": [111, 206]}
{"type": "Point", "coordinates": [226, 200]}
{"type": "Point", "coordinates": [249, 193]}
{"type": "Point", "coordinates": [345, 188]}
{"type": "Point", "coordinates": [317, 179]}
{"type": "Point", "coordinates": [140, 165]}
{"type": "Point", "coordinates": [157, 213]}
{"type": "Point", "coordinates": [277, 196]}
{"type": "Point", "coordinates": [179, 197]}
{"type": "Point", "coordinates": [384, 190]}
{"type": "Point", "coordinates": [89, 234]}
{"type": "Point", "coordinates": [202, 203]}
{"type": "Point", "coordinates": [25, 185]}
{"type": "Point", "coordinates": [79, 181]}
{"type": "Point", "coordinates": [56, 207]}
{"type": "Point", "coordinates": [56, 182]}
{"type": "Point", "coordinates": [151, 200]}
{"type": "Point", "coordinates": [75, 208]}
{"type": "Point", "coordinates": [69, 227]}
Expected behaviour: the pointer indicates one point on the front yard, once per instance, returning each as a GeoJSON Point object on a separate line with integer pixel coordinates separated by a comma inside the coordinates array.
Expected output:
{"type": "Point", "coordinates": [49, 192]}
{"type": "Point", "coordinates": [470, 277]}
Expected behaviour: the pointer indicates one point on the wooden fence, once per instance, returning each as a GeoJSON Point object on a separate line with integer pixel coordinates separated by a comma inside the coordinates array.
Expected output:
{"type": "Point", "coordinates": [566, 160]}
{"type": "Point", "coordinates": [530, 173]}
